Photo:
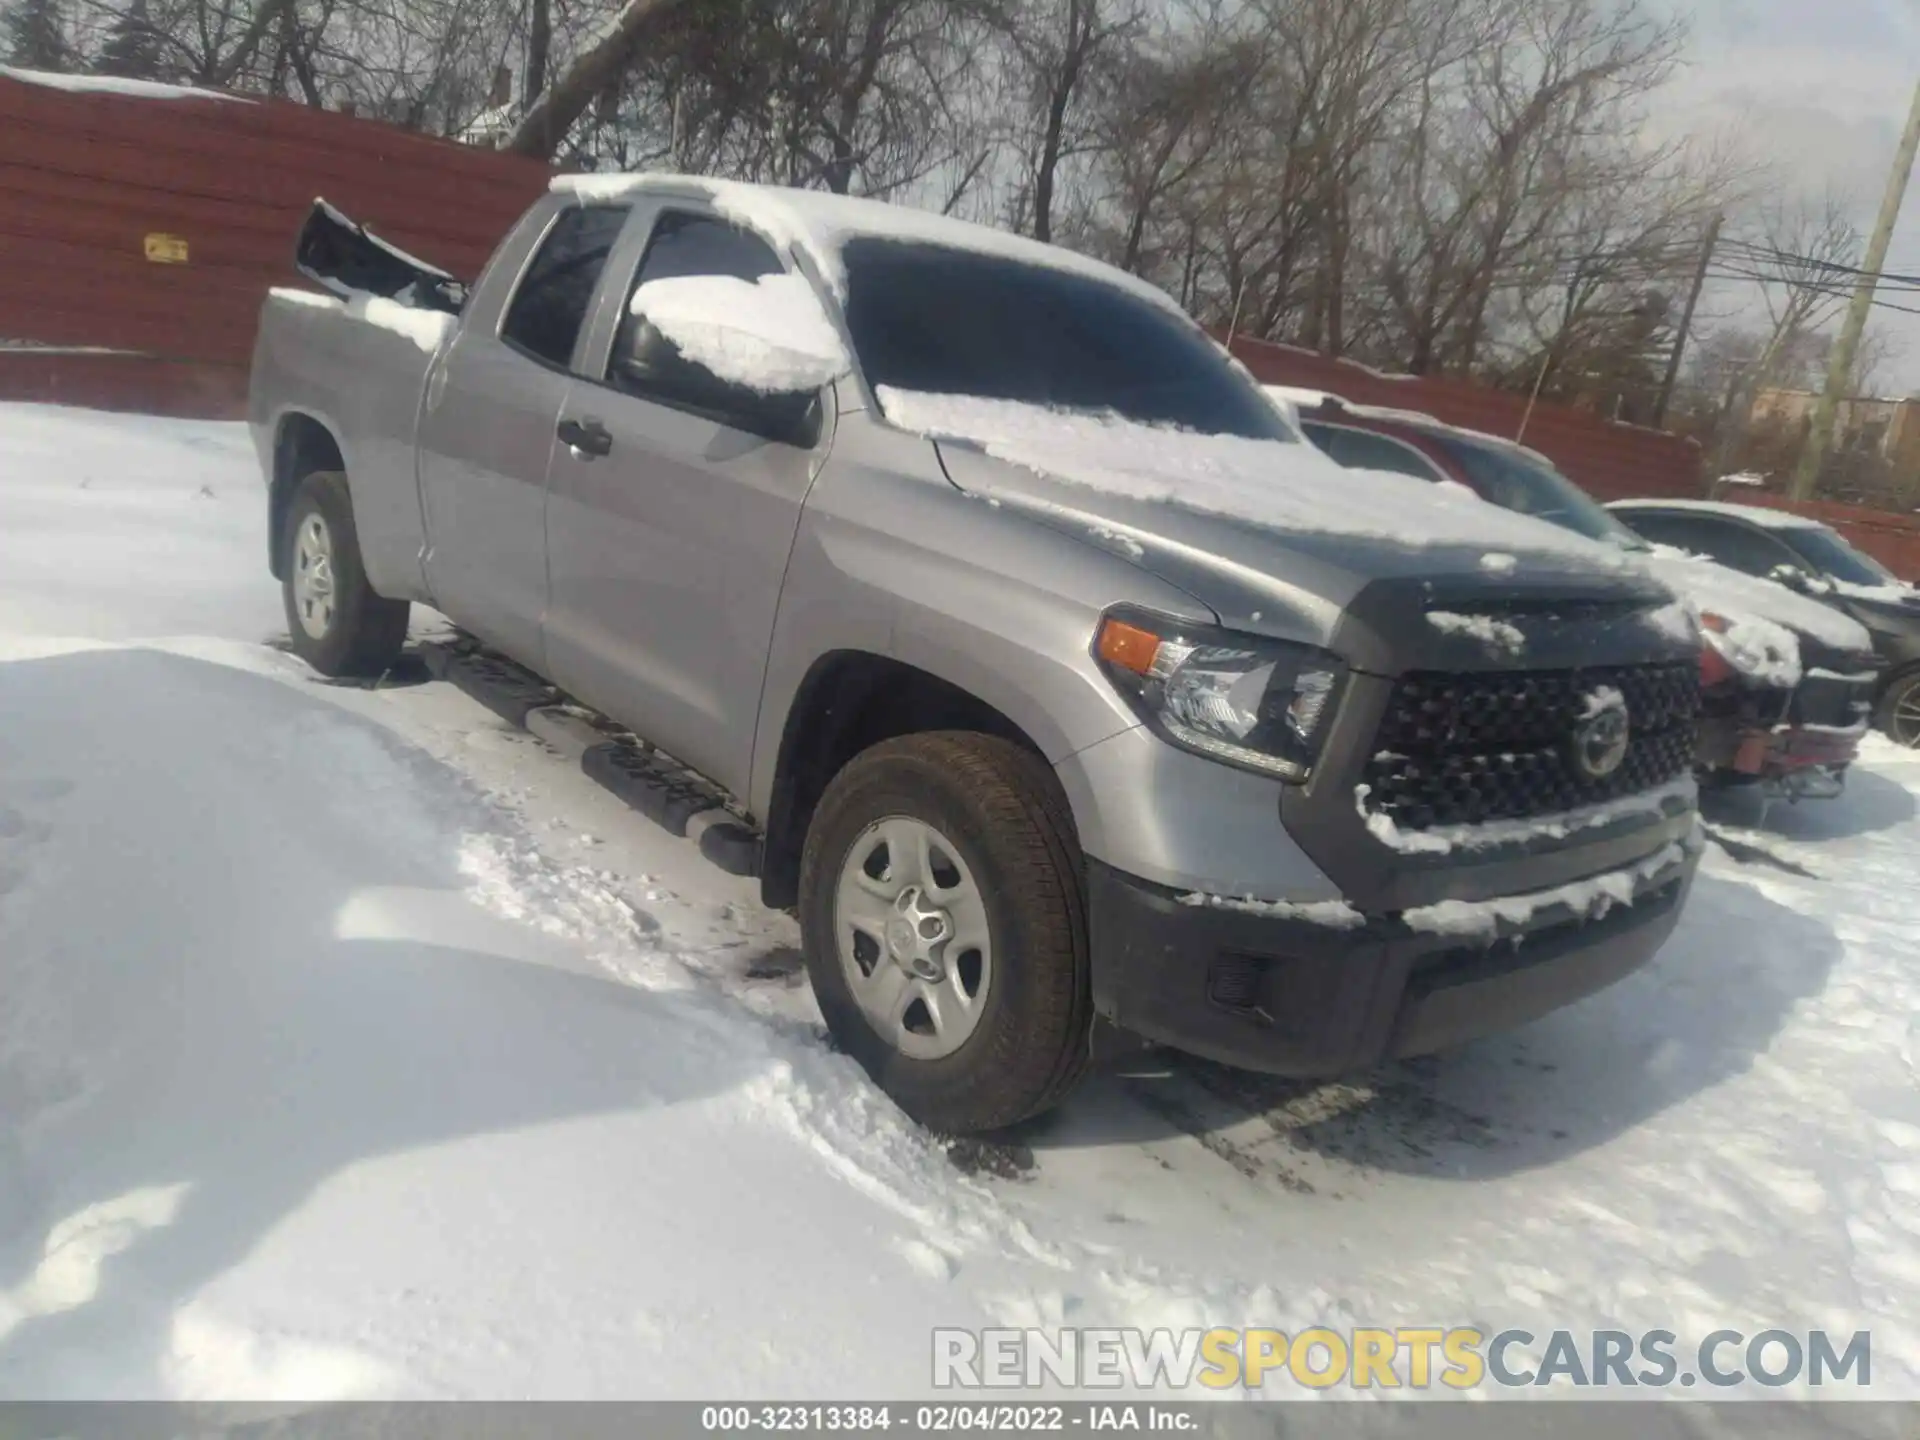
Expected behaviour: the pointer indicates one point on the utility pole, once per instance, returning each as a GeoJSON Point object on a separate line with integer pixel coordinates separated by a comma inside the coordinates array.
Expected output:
{"type": "Point", "coordinates": [1551, 356]}
{"type": "Point", "coordinates": [1686, 321]}
{"type": "Point", "coordinates": [1847, 347]}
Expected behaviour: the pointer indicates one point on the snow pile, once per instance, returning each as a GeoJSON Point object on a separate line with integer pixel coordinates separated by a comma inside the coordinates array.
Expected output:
{"type": "Point", "coordinates": [1588, 899]}
{"type": "Point", "coordinates": [306, 299]}
{"type": "Point", "coordinates": [1335, 914]}
{"type": "Point", "coordinates": [1678, 621]}
{"type": "Point", "coordinates": [123, 526]}
{"type": "Point", "coordinates": [1603, 698]}
{"type": "Point", "coordinates": [1290, 487]}
{"type": "Point", "coordinates": [114, 85]}
{"type": "Point", "coordinates": [1495, 634]}
{"type": "Point", "coordinates": [1440, 839]}
{"type": "Point", "coordinates": [354, 1045]}
{"type": "Point", "coordinates": [769, 335]}
{"type": "Point", "coordinates": [1292, 399]}
{"type": "Point", "coordinates": [1120, 541]}
{"type": "Point", "coordinates": [428, 329]}
{"type": "Point", "coordinates": [1894, 592]}
{"type": "Point", "coordinates": [1494, 562]}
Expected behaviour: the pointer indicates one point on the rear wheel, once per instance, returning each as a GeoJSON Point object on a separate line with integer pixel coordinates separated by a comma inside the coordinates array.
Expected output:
{"type": "Point", "coordinates": [941, 903]}
{"type": "Point", "coordinates": [337, 623]}
{"type": "Point", "coordinates": [1898, 716]}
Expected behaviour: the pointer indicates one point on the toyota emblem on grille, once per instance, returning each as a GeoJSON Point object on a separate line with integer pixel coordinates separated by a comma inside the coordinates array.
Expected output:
{"type": "Point", "coordinates": [1598, 746]}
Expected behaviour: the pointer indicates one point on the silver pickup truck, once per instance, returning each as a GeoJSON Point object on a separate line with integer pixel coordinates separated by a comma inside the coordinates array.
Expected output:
{"type": "Point", "coordinates": [1063, 689]}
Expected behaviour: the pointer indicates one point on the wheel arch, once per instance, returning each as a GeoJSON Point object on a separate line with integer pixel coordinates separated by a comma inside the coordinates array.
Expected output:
{"type": "Point", "coordinates": [849, 701]}
{"type": "Point", "coordinates": [302, 445]}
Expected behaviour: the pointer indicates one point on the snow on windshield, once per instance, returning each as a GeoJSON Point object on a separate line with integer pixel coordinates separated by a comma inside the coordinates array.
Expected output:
{"type": "Point", "coordinates": [769, 334]}
{"type": "Point", "coordinates": [1288, 487]}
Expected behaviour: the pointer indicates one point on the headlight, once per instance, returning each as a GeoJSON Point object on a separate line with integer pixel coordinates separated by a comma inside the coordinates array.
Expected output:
{"type": "Point", "coordinates": [1265, 705]}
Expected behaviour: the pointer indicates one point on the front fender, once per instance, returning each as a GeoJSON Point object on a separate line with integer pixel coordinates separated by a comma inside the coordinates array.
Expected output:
{"type": "Point", "coordinates": [892, 559]}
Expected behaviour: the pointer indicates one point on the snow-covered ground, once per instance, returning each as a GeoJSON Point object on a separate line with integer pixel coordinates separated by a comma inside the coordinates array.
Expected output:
{"type": "Point", "coordinates": [354, 1045]}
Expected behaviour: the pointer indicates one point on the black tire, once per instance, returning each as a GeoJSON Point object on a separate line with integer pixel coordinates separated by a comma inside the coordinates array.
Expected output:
{"type": "Point", "coordinates": [1901, 695]}
{"type": "Point", "coordinates": [365, 631]}
{"type": "Point", "coordinates": [1004, 811]}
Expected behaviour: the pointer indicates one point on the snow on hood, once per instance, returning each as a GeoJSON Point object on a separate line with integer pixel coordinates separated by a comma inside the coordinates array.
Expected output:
{"type": "Point", "coordinates": [769, 334]}
{"type": "Point", "coordinates": [1763, 620]}
{"type": "Point", "coordinates": [1288, 487]}
{"type": "Point", "coordinates": [820, 223]}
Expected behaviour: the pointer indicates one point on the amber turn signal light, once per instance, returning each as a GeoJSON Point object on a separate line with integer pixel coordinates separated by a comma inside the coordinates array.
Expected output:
{"type": "Point", "coordinates": [1128, 646]}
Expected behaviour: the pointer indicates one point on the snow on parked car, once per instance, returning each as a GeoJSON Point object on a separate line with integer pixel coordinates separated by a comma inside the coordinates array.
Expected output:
{"type": "Point", "coordinates": [1787, 682]}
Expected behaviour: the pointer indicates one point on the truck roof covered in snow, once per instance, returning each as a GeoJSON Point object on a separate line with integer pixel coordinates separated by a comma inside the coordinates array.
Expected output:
{"type": "Point", "coordinates": [821, 223]}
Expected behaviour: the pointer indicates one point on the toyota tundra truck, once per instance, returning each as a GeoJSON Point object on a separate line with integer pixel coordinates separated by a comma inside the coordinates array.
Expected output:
{"type": "Point", "coordinates": [1060, 687]}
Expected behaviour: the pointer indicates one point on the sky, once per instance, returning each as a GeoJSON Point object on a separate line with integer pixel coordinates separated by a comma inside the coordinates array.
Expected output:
{"type": "Point", "coordinates": [1819, 90]}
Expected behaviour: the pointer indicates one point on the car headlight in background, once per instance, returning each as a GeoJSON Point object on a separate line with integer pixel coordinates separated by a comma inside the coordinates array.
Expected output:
{"type": "Point", "coordinates": [1715, 666]}
{"type": "Point", "coordinates": [1265, 705]}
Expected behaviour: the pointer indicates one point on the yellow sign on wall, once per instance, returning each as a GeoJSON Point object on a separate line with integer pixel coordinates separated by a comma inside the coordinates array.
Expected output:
{"type": "Point", "coordinates": [167, 249]}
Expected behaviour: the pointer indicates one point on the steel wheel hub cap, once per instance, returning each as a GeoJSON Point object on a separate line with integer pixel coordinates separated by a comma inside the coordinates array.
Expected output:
{"type": "Point", "coordinates": [313, 587]}
{"type": "Point", "coordinates": [911, 926]}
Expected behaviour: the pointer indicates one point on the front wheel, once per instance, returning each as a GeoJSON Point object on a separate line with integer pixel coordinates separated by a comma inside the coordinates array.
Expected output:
{"type": "Point", "coordinates": [337, 623]}
{"type": "Point", "coordinates": [1898, 715]}
{"type": "Point", "coordinates": [941, 903]}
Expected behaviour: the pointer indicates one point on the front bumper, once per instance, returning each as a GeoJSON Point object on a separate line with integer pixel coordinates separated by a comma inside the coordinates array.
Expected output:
{"type": "Point", "coordinates": [1777, 753]}
{"type": "Point", "coordinates": [1296, 997]}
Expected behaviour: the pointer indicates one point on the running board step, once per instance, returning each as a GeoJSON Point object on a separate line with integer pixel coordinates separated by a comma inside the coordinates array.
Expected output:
{"type": "Point", "coordinates": [505, 688]}
{"type": "Point", "coordinates": [675, 798]}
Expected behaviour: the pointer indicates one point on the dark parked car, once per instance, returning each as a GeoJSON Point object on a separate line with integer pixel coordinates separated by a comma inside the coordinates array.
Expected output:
{"type": "Point", "coordinates": [1815, 560]}
{"type": "Point", "coordinates": [1785, 708]}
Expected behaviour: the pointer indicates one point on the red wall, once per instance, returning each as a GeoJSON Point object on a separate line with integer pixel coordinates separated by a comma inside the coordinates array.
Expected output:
{"type": "Point", "coordinates": [1892, 539]}
{"type": "Point", "coordinates": [1613, 462]}
{"type": "Point", "coordinates": [85, 177]}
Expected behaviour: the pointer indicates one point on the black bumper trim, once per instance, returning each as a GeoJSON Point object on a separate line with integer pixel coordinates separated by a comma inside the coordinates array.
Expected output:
{"type": "Point", "coordinates": [1293, 997]}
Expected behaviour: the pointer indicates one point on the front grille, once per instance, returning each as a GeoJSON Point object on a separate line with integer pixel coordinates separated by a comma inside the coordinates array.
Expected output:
{"type": "Point", "coordinates": [1465, 749]}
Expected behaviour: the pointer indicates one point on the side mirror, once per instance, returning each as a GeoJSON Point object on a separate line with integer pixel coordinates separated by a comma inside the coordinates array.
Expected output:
{"type": "Point", "coordinates": [1793, 577]}
{"type": "Point", "coordinates": [770, 335]}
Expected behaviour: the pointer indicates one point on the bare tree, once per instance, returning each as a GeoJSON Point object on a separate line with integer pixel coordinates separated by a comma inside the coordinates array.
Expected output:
{"type": "Point", "coordinates": [1798, 258]}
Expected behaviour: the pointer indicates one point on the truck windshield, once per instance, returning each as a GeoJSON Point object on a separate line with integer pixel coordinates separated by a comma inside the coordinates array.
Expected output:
{"type": "Point", "coordinates": [955, 322]}
{"type": "Point", "coordinates": [1830, 555]}
{"type": "Point", "coordinates": [1514, 481]}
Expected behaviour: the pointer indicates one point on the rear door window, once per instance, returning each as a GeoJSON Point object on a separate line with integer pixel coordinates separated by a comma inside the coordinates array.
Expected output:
{"type": "Point", "coordinates": [547, 311]}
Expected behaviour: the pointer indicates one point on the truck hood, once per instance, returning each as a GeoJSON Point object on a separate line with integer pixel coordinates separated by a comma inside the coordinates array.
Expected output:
{"type": "Point", "coordinates": [1276, 539]}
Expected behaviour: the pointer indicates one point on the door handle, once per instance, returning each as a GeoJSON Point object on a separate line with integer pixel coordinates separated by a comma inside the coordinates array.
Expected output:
{"type": "Point", "coordinates": [587, 437]}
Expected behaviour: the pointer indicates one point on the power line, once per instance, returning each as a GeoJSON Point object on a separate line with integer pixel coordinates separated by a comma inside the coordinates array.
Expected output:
{"type": "Point", "coordinates": [1834, 291]}
{"type": "Point", "coordinates": [1767, 254]}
